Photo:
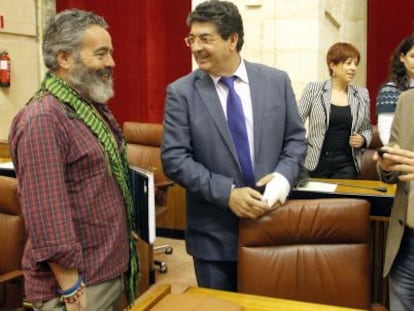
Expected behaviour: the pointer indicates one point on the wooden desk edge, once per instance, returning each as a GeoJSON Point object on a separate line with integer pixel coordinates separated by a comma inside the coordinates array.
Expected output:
{"type": "Point", "coordinates": [237, 297]}
{"type": "Point", "coordinates": [151, 297]}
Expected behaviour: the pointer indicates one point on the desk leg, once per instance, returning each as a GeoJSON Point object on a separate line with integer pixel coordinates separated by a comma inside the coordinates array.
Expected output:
{"type": "Point", "coordinates": [379, 287]}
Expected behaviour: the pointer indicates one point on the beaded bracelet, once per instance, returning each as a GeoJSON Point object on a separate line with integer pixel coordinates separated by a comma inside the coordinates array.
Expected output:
{"type": "Point", "coordinates": [74, 296]}
{"type": "Point", "coordinates": [72, 290]}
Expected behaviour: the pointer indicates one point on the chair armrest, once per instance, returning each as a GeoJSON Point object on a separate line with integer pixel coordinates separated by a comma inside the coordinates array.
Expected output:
{"type": "Point", "coordinates": [162, 192]}
{"type": "Point", "coordinates": [11, 276]}
{"type": "Point", "coordinates": [151, 297]}
{"type": "Point", "coordinates": [164, 185]}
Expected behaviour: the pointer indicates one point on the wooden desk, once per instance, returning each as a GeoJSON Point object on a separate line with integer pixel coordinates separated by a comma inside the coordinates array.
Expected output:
{"type": "Point", "coordinates": [149, 298]}
{"type": "Point", "coordinates": [262, 303]}
{"type": "Point", "coordinates": [4, 149]}
{"type": "Point", "coordinates": [381, 204]}
{"type": "Point", "coordinates": [158, 292]}
{"type": "Point", "coordinates": [2, 160]}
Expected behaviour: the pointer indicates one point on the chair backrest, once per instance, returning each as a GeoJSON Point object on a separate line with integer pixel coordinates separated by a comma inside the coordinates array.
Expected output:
{"type": "Point", "coordinates": [143, 146]}
{"type": "Point", "coordinates": [308, 250]}
{"type": "Point", "coordinates": [12, 231]}
{"type": "Point", "coordinates": [143, 150]}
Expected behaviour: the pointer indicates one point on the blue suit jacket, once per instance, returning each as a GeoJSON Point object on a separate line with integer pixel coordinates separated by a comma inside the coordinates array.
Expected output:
{"type": "Point", "coordinates": [198, 153]}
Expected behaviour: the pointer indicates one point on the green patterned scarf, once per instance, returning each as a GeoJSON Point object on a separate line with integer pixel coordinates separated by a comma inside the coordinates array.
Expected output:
{"type": "Point", "coordinates": [117, 163]}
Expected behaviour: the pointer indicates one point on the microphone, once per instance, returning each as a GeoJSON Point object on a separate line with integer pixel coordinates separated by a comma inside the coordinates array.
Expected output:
{"type": "Point", "coordinates": [380, 189]}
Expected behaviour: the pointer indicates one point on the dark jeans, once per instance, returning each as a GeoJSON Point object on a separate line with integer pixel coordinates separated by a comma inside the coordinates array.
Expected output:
{"type": "Point", "coordinates": [401, 278]}
{"type": "Point", "coordinates": [216, 274]}
{"type": "Point", "coordinates": [334, 165]}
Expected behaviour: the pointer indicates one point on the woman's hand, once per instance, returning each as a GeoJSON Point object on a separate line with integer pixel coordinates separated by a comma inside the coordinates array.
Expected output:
{"type": "Point", "coordinates": [356, 140]}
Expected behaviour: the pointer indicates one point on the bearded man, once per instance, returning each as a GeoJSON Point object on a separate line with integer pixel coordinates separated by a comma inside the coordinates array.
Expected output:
{"type": "Point", "coordinates": [73, 186]}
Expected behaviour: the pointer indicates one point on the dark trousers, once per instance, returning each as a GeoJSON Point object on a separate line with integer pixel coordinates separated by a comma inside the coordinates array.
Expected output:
{"type": "Point", "coordinates": [216, 274]}
{"type": "Point", "coordinates": [334, 165]}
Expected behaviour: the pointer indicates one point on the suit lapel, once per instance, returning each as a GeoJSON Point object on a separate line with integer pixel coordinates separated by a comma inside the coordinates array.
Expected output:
{"type": "Point", "coordinates": [210, 99]}
{"type": "Point", "coordinates": [257, 93]}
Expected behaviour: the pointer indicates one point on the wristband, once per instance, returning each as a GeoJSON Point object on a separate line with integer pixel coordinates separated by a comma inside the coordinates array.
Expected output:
{"type": "Point", "coordinates": [74, 297]}
{"type": "Point", "coordinates": [72, 290]}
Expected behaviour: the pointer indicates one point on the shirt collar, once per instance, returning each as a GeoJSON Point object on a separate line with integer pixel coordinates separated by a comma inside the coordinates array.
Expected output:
{"type": "Point", "coordinates": [240, 72]}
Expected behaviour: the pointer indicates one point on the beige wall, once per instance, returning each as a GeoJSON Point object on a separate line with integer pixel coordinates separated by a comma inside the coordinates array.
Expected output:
{"type": "Point", "coordinates": [20, 37]}
{"type": "Point", "coordinates": [290, 35]}
{"type": "Point", "coordinates": [295, 35]}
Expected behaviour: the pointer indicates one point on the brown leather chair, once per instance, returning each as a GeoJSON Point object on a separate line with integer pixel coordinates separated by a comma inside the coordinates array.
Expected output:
{"type": "Point", "coordinates": [12, 241]}
{"type": "Point", "coordinates": [309, 250]}
{"type": "Point", "coordinates": [143, 150]}
{"type": "Point", "coordinates": [368, 169]}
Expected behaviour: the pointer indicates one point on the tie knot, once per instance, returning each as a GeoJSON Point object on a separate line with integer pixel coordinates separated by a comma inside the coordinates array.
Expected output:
{"type": "Point", "coordinates": [228, 81]}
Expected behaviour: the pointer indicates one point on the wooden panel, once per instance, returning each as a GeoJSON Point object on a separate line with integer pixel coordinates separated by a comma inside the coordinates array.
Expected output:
{"type": "Point", "coordinates": [19, 17]}
{"type": "Point", "coordinates": [151, 297]}
{"type": "Point", "coordinates": [145, 252]}
{"type": "Point", "coordinates": [4, 149]}
{"type": "Point", "coordinates": [379, 285]}
{"type": "Point", "coordinates": [174, 217]}
{"type": "Point", "coordinates": [145, 259]}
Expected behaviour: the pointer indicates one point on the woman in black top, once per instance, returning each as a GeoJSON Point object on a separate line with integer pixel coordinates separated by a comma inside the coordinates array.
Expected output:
{"type": "Point", "coordinates": [338, 115]}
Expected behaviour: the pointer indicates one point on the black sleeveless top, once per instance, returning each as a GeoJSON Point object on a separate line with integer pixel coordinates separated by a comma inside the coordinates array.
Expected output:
{"type": "Point", "coordinates": [339, 130]}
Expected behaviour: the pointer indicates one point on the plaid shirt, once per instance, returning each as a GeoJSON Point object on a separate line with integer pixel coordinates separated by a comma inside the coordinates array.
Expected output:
{"type": "Point", "coordinates": [73, 209]}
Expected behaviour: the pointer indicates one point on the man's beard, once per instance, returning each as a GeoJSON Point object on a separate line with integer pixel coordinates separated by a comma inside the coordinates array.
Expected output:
{"type": "Point", "coordinates": [95, 85]}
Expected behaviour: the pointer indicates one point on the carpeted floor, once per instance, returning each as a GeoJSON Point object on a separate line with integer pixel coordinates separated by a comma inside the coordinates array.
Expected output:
{"type": "Point", "coordinates": [180, 272]}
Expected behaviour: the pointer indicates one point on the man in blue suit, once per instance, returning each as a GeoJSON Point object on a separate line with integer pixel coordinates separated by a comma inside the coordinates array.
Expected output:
{"type": "Point", "coordinates": [201, 152]}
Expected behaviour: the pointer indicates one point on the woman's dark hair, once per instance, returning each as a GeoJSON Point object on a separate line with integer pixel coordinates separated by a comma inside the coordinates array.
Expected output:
{"type": "Point", "coordinates": [398, 73]}
{"type": "Point", "coordinates": [223, 14]}
{"type": "Point", "coordinates": [340, 52]}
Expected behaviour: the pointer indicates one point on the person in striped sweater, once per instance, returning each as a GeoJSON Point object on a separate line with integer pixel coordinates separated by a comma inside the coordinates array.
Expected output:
{"type": "Point", "coordinates": [401, 78]}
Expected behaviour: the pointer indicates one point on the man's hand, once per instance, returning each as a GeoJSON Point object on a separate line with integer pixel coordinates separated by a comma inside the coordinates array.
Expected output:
{"type": "Point", "coordinates": [247, 202]}
{"type": "Point", "coordinates": [81, 306]}
{"type": "Point", "coordinates": [66, 278]}
{"type": "Point", "coordinates": [383, 160]}
{"type": "Point", "coordinates": [398, 160]}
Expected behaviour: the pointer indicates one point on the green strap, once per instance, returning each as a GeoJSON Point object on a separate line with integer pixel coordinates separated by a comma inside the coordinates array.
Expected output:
{"type": "Point", "coordinates": [117, 164]}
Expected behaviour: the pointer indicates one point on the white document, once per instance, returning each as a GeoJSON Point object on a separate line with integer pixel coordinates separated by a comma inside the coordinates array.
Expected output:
{"type": "Point", "coordinates": [145, 190]}
{"type": "Point", "coordinates": [318, 187]}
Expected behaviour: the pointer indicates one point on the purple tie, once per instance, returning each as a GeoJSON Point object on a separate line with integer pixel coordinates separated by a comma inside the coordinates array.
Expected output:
{"type": "Point", "coordinates": [237, 125]}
